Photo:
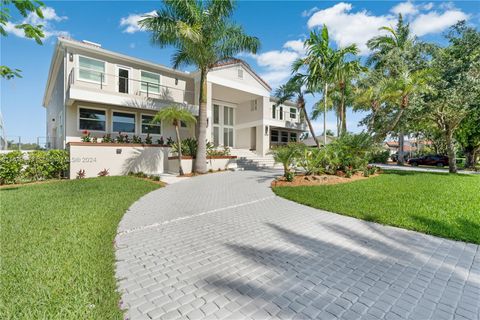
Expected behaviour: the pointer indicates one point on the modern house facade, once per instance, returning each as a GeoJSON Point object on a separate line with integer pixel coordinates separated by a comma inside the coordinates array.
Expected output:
{"type": "Point", "coordinates": [104, 92]}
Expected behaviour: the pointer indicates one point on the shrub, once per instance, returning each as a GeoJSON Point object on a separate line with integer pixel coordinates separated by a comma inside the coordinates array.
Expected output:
{"type": "Point", "coordinates": [289, 176]}
{"type": "Point", "coordinates": [148, 139]}
{"type": "Point", "coordinates": [11, 165]}
{"type": "Point", "coordinates": [353, 151]}
{"type": "Point", "coordinates": [189, 147]}
{"type": "Point", "coordinates": [213, 151]}
{"type": "Point", "coordinates": [136, 139]}
{"type": "Point", "coordinates": [42, 165]}
{"type": "Point", "coordinates": [286, 155]}
{"type": "Point", "coordinates": [380, 156]}
{"type": "Point", "coordinates": [107, 138]}
{"type": "Point", "coordinates": [81, 174]}
{"type": "Point", "coordinates": [103, 173]}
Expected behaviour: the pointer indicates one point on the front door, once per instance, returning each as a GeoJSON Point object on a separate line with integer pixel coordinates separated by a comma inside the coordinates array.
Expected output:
{"type": "Point", "coordinates": [223, 122]}
{"type": "Point", "coordinates": [123, 76]}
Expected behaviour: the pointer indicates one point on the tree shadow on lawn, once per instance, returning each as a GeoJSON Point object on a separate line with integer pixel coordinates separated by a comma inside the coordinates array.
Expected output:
{"type": "Point", "coordinates": [417, 173]}
{"type": "Point", "coordinates": [311, 275]}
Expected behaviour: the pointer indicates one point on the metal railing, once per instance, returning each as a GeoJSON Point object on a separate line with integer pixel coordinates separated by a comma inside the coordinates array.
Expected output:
{"type": "Point", "coordinates": [129, 86]}
{"type": "Point", "coordinates": [28, 143]}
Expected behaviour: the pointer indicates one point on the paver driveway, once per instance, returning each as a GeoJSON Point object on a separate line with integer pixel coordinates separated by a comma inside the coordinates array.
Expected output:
{"type": "Point", "coordinates": [224, 246]}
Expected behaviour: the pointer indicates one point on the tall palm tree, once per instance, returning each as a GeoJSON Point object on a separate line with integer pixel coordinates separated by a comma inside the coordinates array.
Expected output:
{"type": "Point", "coordinates": [293, 89]}
{"type": "Point", "coordinates": [345, 72]}
{"type": "Point", "coordinates": [203, 35]}
{"type": "Point", "coordinates": [369, 95]}
{"type": "Point", "coordinates": [175, 115]}
{"type": "Point", "coordinates": [316, 69]}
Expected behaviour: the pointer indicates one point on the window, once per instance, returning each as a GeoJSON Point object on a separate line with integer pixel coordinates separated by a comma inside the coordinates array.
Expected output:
{"type": "Point", "coordinates": [293, 113]}
{"type": "Point", "coordinates": [183, 124]}
{"type": "Point", "coordinates": [150, 82]}
{"type": "Point", "coordinates": [216, 136]}
{"type": "Point", "coordinates": [253, 105]}
{"type": "Point", "coordinates": [274, 111]}
{"type": "Point", "coordinates": [148, 126]}
{"type": "Point", "coordinates": [274, 135]}
{"type": "Point", "coordinates": [240, 73]}
{"type": "Point", "coordinates": [228, 137]}
{"type": "Point", "coordinates": [123, 122]}
{"type": "Point", "coordinates": [90, 119]}
{"type": "Point", "coordinates": [91, 70]}
{"type": "Point", "coordinates": [228, 116]}
{"type": "Point", "coordinates": [293, 136]}
{"type": "Point", "coordinates": [280, 116]}
{"type": "Point", "coordinates": [284, 136]}
{"type": "Point", "coordinates": [216, 114]}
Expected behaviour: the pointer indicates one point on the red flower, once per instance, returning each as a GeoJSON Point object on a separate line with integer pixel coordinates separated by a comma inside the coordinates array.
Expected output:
{"type": "Point", "coordinates": [85, 132]}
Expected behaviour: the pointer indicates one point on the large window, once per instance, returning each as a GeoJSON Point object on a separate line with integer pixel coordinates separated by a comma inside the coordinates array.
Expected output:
{"type": "Point", "coordinates": [274, 135]}
{"type": "Point", "coordinates": [91, 70]}
{"type": "Point", "coordinates": [293, 136]}
{"type": "Point", "coordinates": [284, 136]}
{"type": "Point", "coordinates": [91, 119]}
{"type": "Point", "coordinates": [150, 82]}
{"type": "Point", "coordinates": [123, 122]}
{"type": "Point", "coordinates": [274, 111]}
{"type": "Point", "coordinates": [293, 113]}
{"type": "Point", "coordinates": [216, 114]}
{"type": "Point", "coordinates": [227, 116]}
{"type": "Point", "coordinates": [228, 137]}
{"type": "Point", "coordinates": [280, 113]}
{"type": "Point", "coordinates": [148, 126]}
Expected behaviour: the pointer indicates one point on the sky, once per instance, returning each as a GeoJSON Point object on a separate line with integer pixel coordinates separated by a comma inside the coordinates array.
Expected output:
{"type": "Point", "coordinates": [281, 26]}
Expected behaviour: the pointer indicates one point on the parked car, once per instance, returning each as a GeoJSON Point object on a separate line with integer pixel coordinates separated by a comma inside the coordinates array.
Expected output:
{"type": "Point", "coordinates": [430, 160]}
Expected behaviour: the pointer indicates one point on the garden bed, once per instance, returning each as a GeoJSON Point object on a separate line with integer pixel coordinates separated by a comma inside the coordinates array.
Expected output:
{"type": "Point", "coordinates": [314, 180]}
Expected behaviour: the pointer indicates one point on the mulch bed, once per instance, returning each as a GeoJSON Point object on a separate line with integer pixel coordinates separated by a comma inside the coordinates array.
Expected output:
{"type": "Point", "coordinates": [314, 180]}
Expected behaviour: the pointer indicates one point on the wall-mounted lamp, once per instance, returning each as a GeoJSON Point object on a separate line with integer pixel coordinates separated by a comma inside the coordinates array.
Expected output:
{"type": "Point", "coordinates": [207, 122]}
{"type": "Point", "coordinates": [70, 57]}
{"type": "Point", "coordinates": [53, 119]}
{"type": "Point", "coordinates": [266, 130]}
{"type": "Point", "coordinates": [176, 81]}
{"type": "Point", "coordinates": [118, 151]}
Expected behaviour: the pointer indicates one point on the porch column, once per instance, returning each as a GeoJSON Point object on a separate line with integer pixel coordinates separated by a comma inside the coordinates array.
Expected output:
{"type": "Point", "coordinates": [209, 111]}
{"type": "Point", "coordinates": [263, 140]}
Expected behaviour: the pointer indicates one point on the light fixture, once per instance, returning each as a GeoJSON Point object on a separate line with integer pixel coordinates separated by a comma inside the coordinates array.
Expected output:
{"type": "Point", "coordinates": [266, 130]}
{"type": "Point", "coordinates": [70, 57]}
{"type": "Point", "coordinates": [207, 123]}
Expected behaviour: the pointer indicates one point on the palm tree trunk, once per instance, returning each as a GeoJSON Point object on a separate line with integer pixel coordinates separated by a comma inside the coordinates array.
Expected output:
{"type": "Point", "coordinates": [307, 118]}
{"type": "Point", "coordinates": [325, 93]}
{"type": "Point", "coordinates": [201, 158]}
{"type": "Point", "coordinates": [179, 144]}
{"type": "Point", "coordinates": [401, 143]}
{"type": "Point", "coordinates": [452, 161]}
{"type": "Point", "coordinates": [343, 110]}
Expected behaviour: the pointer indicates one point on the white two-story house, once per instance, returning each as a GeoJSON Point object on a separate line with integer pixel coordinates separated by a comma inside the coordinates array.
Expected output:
{"type": "Point", "coordinates": [104, 92]}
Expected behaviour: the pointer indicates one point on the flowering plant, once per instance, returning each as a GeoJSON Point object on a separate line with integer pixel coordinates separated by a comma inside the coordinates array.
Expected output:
{"type": "Point", "coordinates": [86, 136]}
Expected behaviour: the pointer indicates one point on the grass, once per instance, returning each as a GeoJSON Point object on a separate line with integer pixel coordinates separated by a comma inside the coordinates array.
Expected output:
{"type": "Point", "coordinates": [444, 205]}
{"type": "Point", "coordinates": [56, 255]}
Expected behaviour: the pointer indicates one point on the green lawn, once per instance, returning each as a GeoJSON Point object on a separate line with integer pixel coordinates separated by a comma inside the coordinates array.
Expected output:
{"type": "Point", "coordinates": [435, 203]}
{"type": "Point", "coordinates": [57, 255]}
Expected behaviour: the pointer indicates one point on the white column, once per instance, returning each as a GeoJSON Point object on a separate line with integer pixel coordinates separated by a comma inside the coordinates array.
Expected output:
{"type": "Point", "coordinates": [209, 111]}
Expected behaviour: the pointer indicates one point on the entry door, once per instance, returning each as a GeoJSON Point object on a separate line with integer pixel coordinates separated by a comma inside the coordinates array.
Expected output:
{"type": "Point", "coordinates": [223, 122]}
{"type": "Point", "coordinates": [123, 76]}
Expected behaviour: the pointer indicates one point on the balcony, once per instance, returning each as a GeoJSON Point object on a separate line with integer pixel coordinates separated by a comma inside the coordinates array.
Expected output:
{"type": "Point", "coordinates": [99, 87]}
{"type": "Point", "coordinates": [285, 119]}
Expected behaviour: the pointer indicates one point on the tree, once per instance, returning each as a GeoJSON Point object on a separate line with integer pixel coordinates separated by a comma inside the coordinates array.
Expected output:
{"type": "Point", "coordinates": [468, 137]}
{"type": "Point", "coordinates": [456, 85]}
{"type": "Point", "coordinates": [203, 35]}
{"type": "Point", "coordinates": [317, 69]}
{"type": "Point", "coordinates": [175, 115]}
{"type": "Point", "coordinates": [24, 7]}
{"type": "Point", "coordinates": [291, 90]}
{"type": "Point", "coordinates": [399, 58]}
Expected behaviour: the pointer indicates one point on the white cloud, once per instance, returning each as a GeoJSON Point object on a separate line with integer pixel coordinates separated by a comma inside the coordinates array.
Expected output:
{"type": "Point", "coordinates": [348, 27]}
{"type": "Point", "coordinates": [434, 22]}
{"type": "Point", "coordinates": [130, 23]}
{"type": "Point", "coordinates": [308, 13]}
{"type": "Point", "coordinates": [405, 8]}
{"type": "Point", "coordinates": [295, 45]}
{"type": "Point", "coordinates": [49, 16]}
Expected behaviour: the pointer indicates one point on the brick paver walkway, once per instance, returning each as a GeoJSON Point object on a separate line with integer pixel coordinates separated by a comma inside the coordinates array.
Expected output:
{"type": "Point", "coordinates": [223, 246]}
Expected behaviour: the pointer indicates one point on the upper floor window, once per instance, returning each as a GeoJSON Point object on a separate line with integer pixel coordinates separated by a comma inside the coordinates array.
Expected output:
{"type": "Point", "coordinates": [293, 113]}
{"type": "Point", "coordinates": [150, 82]}
{"type": "Point", "coordinates": [253, 105]}
{"type": "Point", "coordinates": [91, 119]}
{"type": "Point", "coordinates": [92, 70]}
{"type": "Point", "coordinates": [274, 111]}
{"type": "Point", "coordinates": [123, 122]}
{"type": "Point", "coordinates": [280, 113]}
{"type": "Point", "coordinates": [148, 126]}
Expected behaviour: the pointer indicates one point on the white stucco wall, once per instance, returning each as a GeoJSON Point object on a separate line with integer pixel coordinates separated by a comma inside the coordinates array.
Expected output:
{"type": "Point", "coordinates": [55, 114]}
{"type": "Point", "coordinates": [119, 160]}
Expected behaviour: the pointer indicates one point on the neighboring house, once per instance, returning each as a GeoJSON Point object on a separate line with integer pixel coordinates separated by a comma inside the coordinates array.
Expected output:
{"type": "Point", "coordinates": [104, 92]}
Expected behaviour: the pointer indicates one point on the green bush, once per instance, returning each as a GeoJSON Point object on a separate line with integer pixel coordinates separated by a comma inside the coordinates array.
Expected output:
{"type": "Point", "coordinates": [11, 165]}
{"type": "Point", "coordinates": [353, 151]}
{"type": "Point", "coordinates": [288, 155]}
{"type": "Point", "coordinates": [189, 147]}
{"type": "Point", "coordinates": [380, 156]}
{"type": "Point", "coordinates": [42, 165]}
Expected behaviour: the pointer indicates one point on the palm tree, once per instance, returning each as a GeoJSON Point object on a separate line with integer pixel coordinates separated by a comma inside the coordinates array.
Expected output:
{"type": "Point", "coordinates": [399, 91]}
{"type": "Point", "coordinates": [369, 95]}
{"type": "Point", "coordinates": [203, 35]}
{"type": "Point", "coordinates": [175, 115]}
{"type": "Point", "coordinates": [345, 72]}
{"type": "Point", "coordinates": [291, 90]}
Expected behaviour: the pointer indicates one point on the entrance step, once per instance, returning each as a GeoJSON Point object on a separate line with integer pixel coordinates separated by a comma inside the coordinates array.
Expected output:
{"type": "Point", "coordinates": [250, 160]}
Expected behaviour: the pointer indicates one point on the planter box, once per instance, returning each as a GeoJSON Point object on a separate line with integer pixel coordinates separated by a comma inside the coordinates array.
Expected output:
{"type": "Point", "coordinates": [213, 163]}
